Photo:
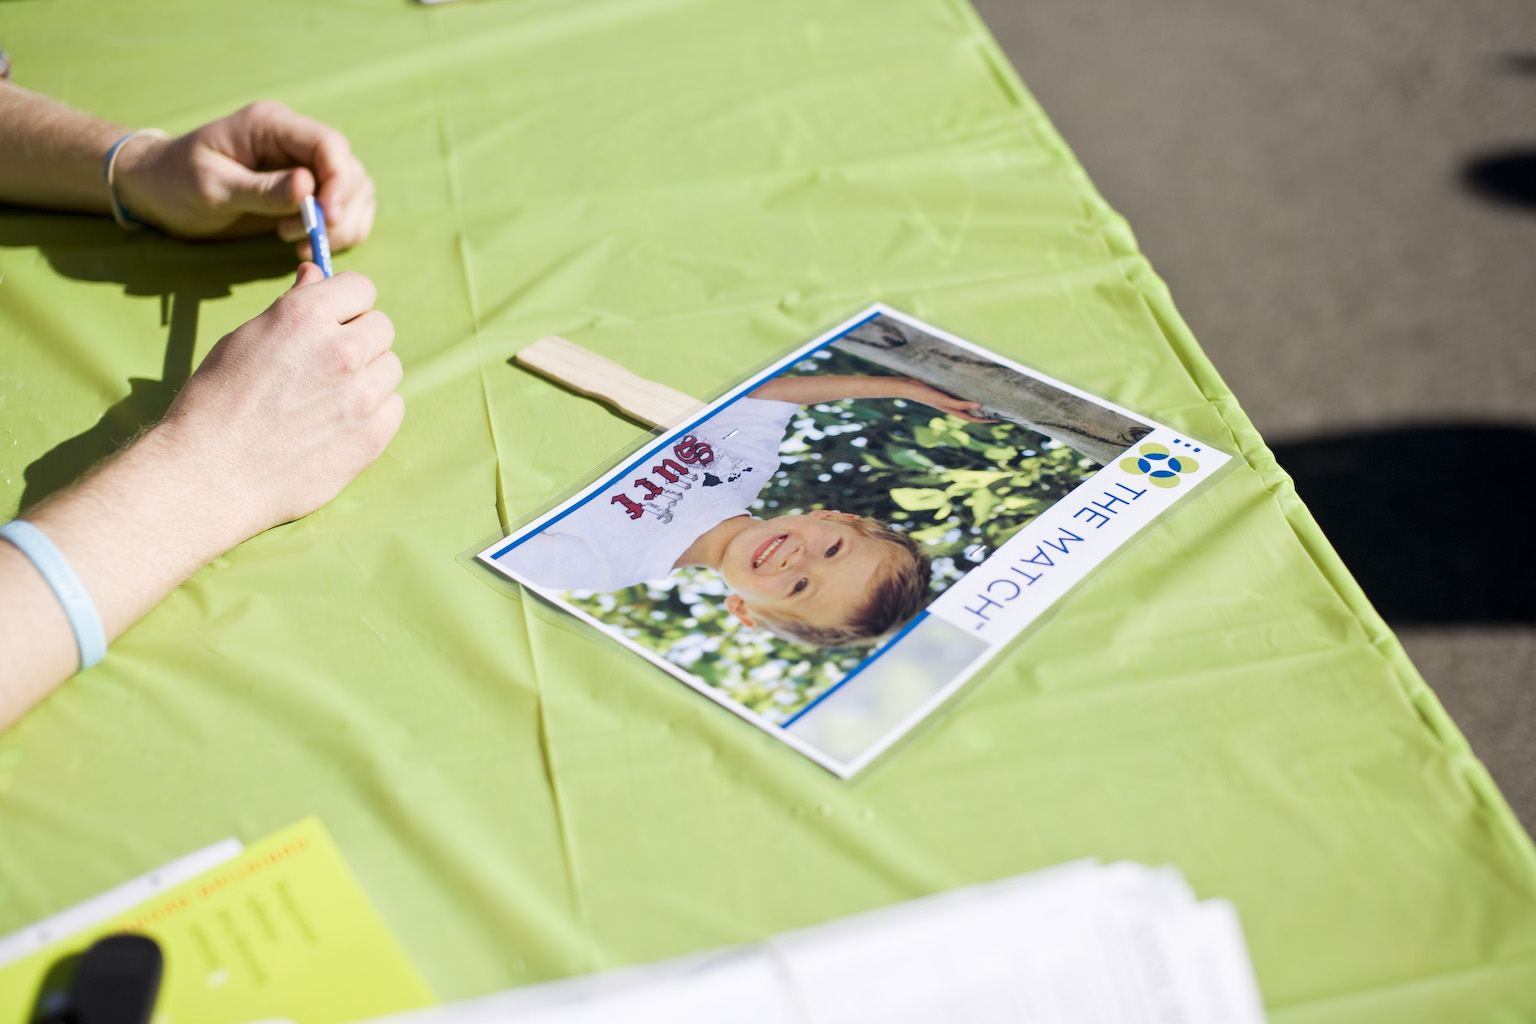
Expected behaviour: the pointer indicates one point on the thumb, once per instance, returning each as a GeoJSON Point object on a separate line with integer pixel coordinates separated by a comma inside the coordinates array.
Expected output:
{"type": "Point", "coordinates": [308, 274]}
{"type": "Point", "coordinates": [268, 193]}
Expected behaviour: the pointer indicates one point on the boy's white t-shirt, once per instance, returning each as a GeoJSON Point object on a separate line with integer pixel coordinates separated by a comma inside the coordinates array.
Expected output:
{"type": "Point", "coordinates": [714, 473]}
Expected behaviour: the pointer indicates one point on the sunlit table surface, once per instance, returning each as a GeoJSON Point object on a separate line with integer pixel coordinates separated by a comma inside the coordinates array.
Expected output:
{"type": "Point", "coordinates": [691, 187]}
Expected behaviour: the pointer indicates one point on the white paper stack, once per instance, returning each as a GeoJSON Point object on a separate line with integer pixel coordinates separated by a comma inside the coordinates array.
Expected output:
{"type": "Point", "coordinates": [1079, 944]}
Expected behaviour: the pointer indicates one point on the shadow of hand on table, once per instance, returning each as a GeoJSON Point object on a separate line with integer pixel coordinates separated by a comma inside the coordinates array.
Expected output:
{"type": "Point", "coordinates": [1433, 521]}
{"type": "Point", "coordinates": [182, 274]}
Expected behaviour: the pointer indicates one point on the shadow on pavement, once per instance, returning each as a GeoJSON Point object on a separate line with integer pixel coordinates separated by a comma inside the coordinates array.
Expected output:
{"type": "Point", "coordinates": [1508, 177]}
{"type": "Point", "coordinates": [1433, 521]}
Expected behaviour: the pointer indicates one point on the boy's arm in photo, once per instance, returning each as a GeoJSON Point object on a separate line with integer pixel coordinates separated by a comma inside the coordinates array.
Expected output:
{"type": "Point", "coordinates": [835, 388]}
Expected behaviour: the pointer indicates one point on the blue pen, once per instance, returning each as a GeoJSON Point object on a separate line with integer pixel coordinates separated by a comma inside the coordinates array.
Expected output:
{"type": "Point", "coordinates": [314, 226]}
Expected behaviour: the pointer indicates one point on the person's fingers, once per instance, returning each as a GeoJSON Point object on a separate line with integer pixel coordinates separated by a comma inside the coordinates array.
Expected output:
{"type": "Point", "coordinates": [344, 297]}
{"type": "Point", "coordinates": [357, 220]}
{"type": "Point", "coordinates": [384, 374]}
{"type": "Point", "coordinates": [386, 421]}
{"type": "Point", "coordinates": [964, 410]}
{"type": "Point", "coordinates": [264, 193]}
{"type": "Point", "coordinates": [308, 274]}
{"type": "Point", "coordinates": [352, 229]}
{"type": "Point", "coordinates": [377, 331]}
{"type": "Point", "coordinates": [279, 136]}
{"type": "Point", "coordinates": [340, 176]}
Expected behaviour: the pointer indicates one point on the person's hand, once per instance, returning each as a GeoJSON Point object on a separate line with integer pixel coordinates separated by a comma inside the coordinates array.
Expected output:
{"type": "Point", "coordinates": [279, 417]}
{"type": "Point", "coordinates": [245, 175]}
{"type": "Point", "coordinates": [917, 391]}
{"type": "Point", "coordinates": [289, 407]}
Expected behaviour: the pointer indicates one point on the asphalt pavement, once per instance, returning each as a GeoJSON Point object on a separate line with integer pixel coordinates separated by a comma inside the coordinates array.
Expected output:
{"type": "Point", "coordinates": [1342, 198]}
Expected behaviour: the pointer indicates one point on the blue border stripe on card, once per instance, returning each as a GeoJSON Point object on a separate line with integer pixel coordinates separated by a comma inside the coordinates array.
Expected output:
{"type": "Point", "coordinates": [885, 649]}
{"type": "Point", "coordinates": [650, 452]}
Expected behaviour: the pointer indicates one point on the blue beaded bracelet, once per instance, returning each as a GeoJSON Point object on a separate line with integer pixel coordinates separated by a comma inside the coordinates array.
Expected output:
{"type": "Point", "coordinates": [66, 586]}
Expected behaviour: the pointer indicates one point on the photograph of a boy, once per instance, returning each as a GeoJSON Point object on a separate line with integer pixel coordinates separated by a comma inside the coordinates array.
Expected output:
{"type": "Point", "coordinates": [824, 579]}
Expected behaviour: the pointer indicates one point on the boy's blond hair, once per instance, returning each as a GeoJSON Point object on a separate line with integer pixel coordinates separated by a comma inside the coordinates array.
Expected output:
{"type": "Point", "coordinates": [898, 594]}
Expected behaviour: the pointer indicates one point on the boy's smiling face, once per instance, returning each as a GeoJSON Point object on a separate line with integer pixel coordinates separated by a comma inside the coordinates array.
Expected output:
{"type": "Point", "coordinates": [815, 568]}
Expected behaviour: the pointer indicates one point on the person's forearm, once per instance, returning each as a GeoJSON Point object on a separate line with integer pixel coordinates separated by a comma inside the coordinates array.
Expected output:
{"type": "Point", "coordinates": [241, 175]}
{"type": "Point", "coordinates": [283, 412]}
{"type": "Point", "coordinates": [132, 532]}
{"type": "Point", "coordinates": [810, 390]}
{"type": "Point", "coordinates": [52, 155]}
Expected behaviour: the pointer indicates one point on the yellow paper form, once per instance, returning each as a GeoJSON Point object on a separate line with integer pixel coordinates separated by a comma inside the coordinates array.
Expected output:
{"type": "Point", "coordinates": [283, 930]}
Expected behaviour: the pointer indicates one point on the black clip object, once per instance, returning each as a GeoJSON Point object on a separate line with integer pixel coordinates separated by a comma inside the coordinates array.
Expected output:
{"type": "Point", "coordinates": [116, 981]}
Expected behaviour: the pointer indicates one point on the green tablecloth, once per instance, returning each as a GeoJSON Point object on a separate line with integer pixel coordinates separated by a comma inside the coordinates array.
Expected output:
{"type": "Point", "coordinates": [690, 187]}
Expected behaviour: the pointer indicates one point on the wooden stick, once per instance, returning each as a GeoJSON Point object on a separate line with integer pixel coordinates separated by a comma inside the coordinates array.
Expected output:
{"type": "Point", "coordinates": [587, 373]}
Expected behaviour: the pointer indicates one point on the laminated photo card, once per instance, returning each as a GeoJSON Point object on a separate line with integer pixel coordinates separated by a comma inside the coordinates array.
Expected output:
{"type": "Point", "coordinates": [835, 546]}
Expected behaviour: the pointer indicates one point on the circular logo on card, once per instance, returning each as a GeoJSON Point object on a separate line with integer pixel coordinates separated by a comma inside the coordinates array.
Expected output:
{"type": "Point", "coordinates": [1155, 463]}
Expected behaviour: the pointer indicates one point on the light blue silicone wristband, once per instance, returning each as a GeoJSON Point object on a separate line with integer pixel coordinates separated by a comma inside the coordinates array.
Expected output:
{"type": "Point", "coordinates": [119, 211]}
{"type": "Point", "coordinates": [66, 586]}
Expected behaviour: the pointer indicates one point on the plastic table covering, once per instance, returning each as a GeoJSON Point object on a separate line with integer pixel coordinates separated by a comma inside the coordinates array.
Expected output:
{"type": "Point", "coordinates": [691, 187]}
